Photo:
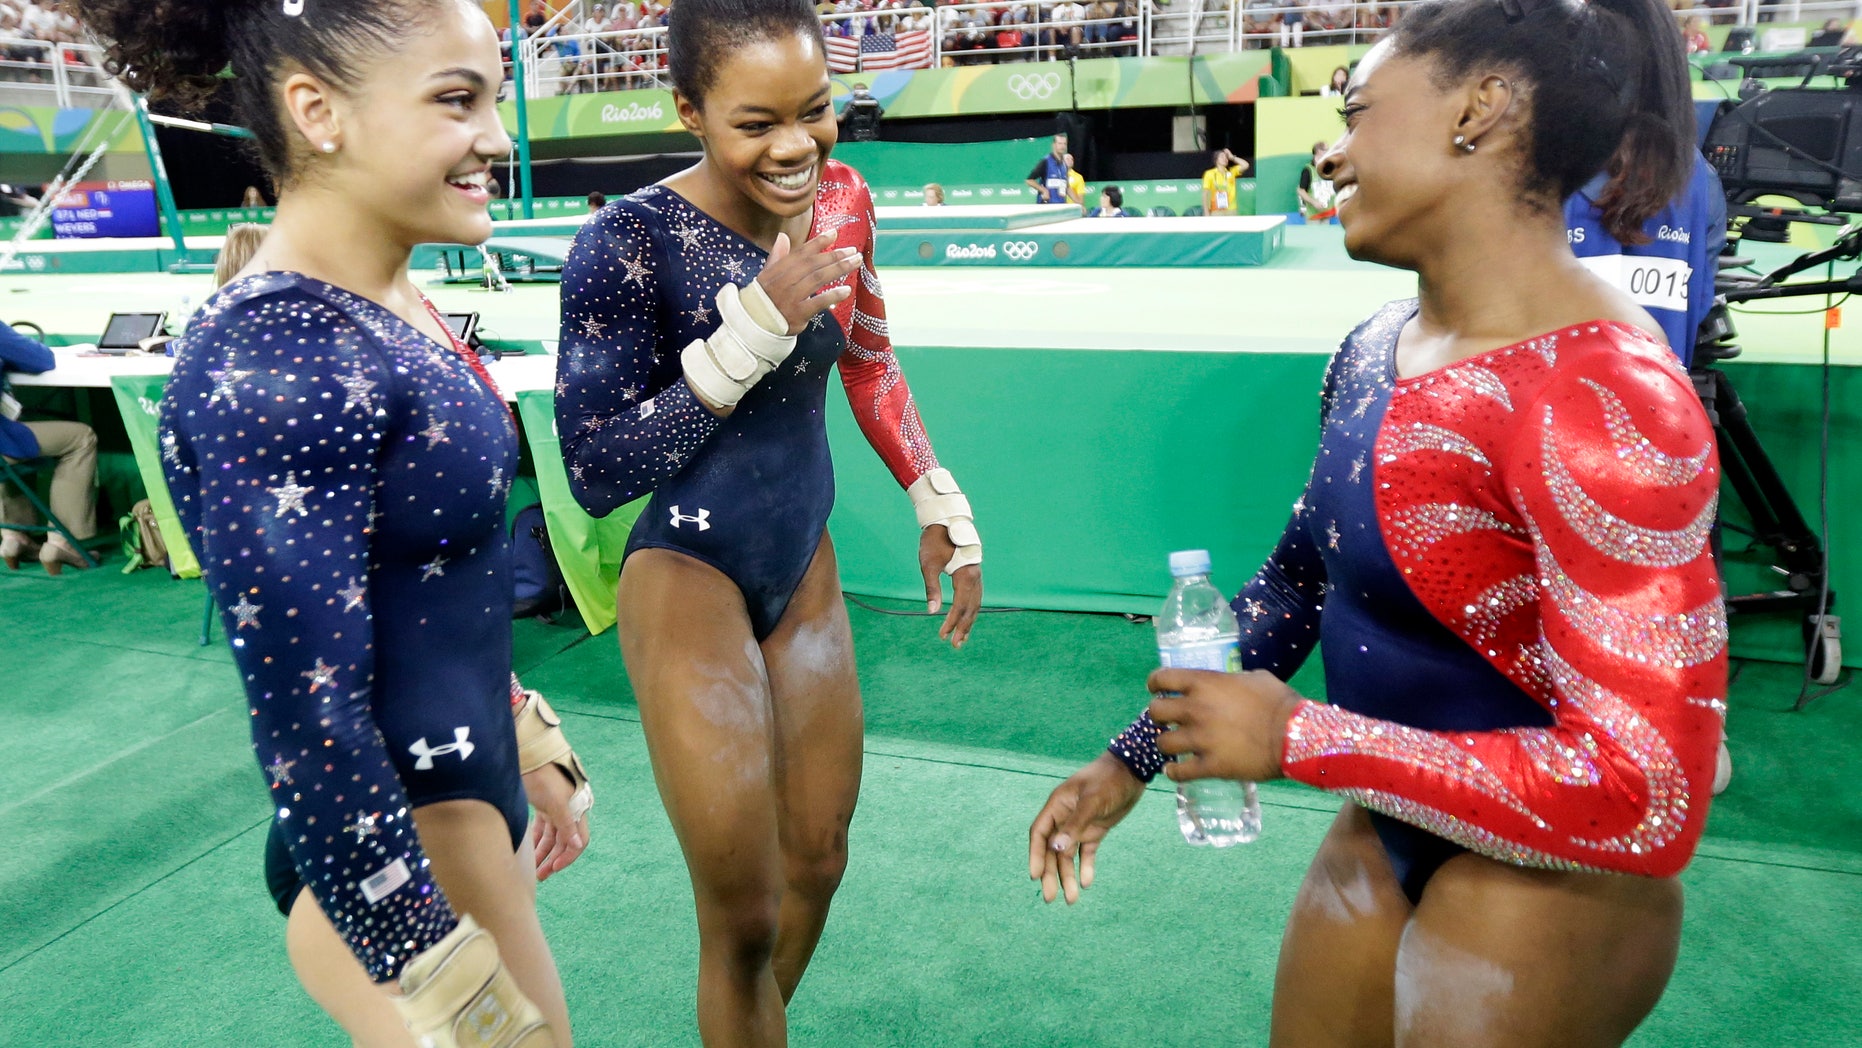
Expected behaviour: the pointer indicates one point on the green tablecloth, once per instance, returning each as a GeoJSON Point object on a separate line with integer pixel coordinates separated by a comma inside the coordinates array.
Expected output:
{"type": "Point", "coordinates": [588, 550]}
{"type": "Point", "coordinates": [136, 398]}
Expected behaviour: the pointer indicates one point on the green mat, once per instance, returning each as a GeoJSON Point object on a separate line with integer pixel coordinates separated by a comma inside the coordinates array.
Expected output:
{"type": "Point", "coordinates": [133, 912]}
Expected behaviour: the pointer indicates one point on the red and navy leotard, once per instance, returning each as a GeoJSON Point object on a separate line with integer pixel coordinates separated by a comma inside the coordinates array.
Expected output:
{"type": "Point", "coordinates": [1506, 561]}
{"type": "Point", "coordinates": [748, 494]}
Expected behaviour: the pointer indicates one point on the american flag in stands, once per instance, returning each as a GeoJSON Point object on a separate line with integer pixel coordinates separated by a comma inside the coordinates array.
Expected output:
{"type": "Point", "coordinates": [843, 54]}
{"type": "Point", "coordinates": [908, 50]}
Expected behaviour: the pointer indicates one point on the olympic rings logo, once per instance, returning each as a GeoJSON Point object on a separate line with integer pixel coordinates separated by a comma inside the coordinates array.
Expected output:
{"type": "Point", "coordinates": [1040, 85]}
{"type": "Point", "coordinates": [1020, 250]}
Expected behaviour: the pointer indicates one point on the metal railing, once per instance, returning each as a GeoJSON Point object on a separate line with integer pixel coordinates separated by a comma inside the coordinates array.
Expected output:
{"type": "Point", "coordinates": [566, 58]}
{"type": "Point", "coordinates": [63, 75]}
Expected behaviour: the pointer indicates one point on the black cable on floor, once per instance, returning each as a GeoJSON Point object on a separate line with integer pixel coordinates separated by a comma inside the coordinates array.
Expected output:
{"type": "Point", "coordinates": [1805, 694]}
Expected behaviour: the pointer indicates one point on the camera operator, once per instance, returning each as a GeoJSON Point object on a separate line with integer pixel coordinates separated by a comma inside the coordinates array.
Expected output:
{"type": "Point", "coordinates": [860, 119]}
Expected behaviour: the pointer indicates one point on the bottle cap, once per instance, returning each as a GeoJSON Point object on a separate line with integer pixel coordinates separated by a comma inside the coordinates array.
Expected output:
{"type": "Point", "coordinates": [1186, 562]}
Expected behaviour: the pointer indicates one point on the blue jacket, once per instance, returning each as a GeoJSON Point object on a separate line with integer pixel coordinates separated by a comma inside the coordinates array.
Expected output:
{"type": "Point", "coordinates": [19, 353]}
{"type": "Point", "coordinates": [1671, 276]}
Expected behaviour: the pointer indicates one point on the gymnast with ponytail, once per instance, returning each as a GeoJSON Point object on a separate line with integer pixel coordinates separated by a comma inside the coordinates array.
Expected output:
{"type": "Point", "coordinates": [342, 468]}
{"type": "Point", "coordinates": [1502, 554]}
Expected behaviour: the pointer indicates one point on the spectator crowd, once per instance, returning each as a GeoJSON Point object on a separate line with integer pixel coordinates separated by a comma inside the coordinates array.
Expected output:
{"type": "Point", "coordinates": [29, 34]}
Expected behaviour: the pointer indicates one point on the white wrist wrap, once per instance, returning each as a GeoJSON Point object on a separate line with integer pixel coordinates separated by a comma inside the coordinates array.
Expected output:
{"type": "Point", "coordinates": [748, 344]}
{"type": "Point", "coordinates": [541, 744]}
{"type": "Point", "coordinates": [937, 500]}
{"type": "Point", "coordinates": [458, 995]}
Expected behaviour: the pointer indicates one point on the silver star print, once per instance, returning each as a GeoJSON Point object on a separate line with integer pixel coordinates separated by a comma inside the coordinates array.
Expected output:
{"type": "Point", "coordinates": [434, 567]}
{"type": "Point", "coordinates": [356, 387]}
{"type": "Point", "coordinates": [592, 327]}
{"type": "Point", "coordinates": [675, 457]}
{"type": "Point", "coordinates": [280, 771]}
{"type": "Point", "coordinates": [246, 612]}
{"type": "Point", "coordinates": [690, 237]}
{"type": "Point", "coordinates": [576, 470]}
{"type": "Point", "coordinates": [801, 366]}
{"type": "Point", "coordinates": [497, 479]}
{"type": "Point", "coordinates": [1331, 535]}
{"type": "Point", "coordinates": [819, 321]}
{"type": "Point", "coordinates": [364, 827]}
{"type": "Point", "coordinates": [630, 395]}
{"type": "Point", "coordinates": [734, 270]}
{"type": "Point", "coordinates": [352, 595]}
{"type": "Point", "coordinates": [701, 315]}
{"type": "Point", "coordinates": [1299, 506]}
{"type": "Point", "coordinates": [436, 433]}
{"type": "Point", "coordinates": [637, 270]}
{"type": "Point", "coordinates": [374, 515]}
{"type": "Point", "coordinates": [561, 387]}
{"type": "Point", "coordinates": [1364, 405]}
{"type": "Point", "coordinates": [320, 676]}
{"type": "Point", "coordinates": [1254, 609]}
{"type": "Point", "coordinates": [224, 381]}
{"type": "Point", "coordinates": [290, 496]}
{"type": "Point", "coordinates": [171, 449]}
{"type": "Point", "coordinates": [1357, 469]}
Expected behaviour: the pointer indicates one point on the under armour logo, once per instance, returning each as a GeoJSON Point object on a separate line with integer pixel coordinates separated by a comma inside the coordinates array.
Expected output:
{"type": "Point", "coordinates": [426, 753]}
{"type": "Point", "coordinates": [703, 520]}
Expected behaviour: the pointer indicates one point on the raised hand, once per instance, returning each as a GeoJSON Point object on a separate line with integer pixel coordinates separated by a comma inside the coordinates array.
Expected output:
{"type": "Point", "coordinates": [793, 278]}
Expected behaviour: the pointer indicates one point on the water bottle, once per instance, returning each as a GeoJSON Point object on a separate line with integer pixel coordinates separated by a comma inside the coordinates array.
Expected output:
{"type": "Point", "coordinates": [1197, 630]}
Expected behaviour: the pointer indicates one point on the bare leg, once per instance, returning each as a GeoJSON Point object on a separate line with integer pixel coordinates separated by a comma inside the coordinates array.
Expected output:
{"type": "Point", "coordinates": [1334, 984]}
{"type": "Point", "coordinates": [470, 847]}
{"type": "Point", "coordinates": [705, 708]}
{"type": "Point", "coordinates": [819, 729]}
{"type": "Point", "coordinates": [1494, 954]}
{"type": "Point", "coordinates": [1498, 954]}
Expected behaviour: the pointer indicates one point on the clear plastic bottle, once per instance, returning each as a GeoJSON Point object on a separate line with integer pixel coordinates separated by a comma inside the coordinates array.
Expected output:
{"type": "Point", "coordinates": [1197, 630]}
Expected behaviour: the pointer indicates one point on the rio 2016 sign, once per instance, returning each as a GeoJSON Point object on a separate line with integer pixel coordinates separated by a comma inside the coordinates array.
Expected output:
{"type": "Point", "coordinates": [632, 113]}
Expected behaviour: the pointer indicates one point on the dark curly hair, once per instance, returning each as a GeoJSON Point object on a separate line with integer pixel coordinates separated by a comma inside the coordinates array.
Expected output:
{"type": "Point", "coordinates": [180, 51]}
{"type": "Point", "coordinates": [1607, 85]}
{"type": "Point", "coordinates": [699, 33]}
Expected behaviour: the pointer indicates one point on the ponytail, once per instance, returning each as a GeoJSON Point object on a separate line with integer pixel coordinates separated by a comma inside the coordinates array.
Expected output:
{"type": "Point", "coordinates": [1653, 161]}
{"type": "Point", "coordinates": [1607, 84]}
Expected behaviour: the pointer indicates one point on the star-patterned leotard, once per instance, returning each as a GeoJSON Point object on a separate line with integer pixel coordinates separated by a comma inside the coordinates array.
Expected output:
{"type": "Point", "coordinates": [748, 494]}
{"type": "Point", "coordinates": [1506, 560]}
{"type": "Point", "coordinates": [344, 479]}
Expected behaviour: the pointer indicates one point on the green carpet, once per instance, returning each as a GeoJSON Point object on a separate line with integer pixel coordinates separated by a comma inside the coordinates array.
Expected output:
{"type": "Point", "coordinates": [132, 911]}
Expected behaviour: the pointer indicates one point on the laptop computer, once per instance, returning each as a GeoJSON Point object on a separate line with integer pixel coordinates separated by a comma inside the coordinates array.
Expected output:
{"type": "Point", "coordinates": [126, 332]}
{"type": "Point", "coordinates": [464, 327]}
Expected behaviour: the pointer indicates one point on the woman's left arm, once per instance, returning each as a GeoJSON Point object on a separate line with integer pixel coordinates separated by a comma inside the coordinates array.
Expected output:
{"type": "Point", "coordinates": [882, 405]}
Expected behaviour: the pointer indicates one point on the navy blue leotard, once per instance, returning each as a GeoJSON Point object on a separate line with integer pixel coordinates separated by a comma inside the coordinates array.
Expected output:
{"type": "Point", "coordinates": [748, 494]}
{"type": "Point", "coordinates": [343, 478]}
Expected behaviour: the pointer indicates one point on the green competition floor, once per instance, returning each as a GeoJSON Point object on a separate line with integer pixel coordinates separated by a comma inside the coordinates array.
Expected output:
{"type": "Point", "coordinates": [1304, 300]}
{"type": "Point", "coordinates": [132, 911]}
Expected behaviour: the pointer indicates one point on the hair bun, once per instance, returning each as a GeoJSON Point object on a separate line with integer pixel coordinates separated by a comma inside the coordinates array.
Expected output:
{"type": "Point", "coordinates": [169, 49]}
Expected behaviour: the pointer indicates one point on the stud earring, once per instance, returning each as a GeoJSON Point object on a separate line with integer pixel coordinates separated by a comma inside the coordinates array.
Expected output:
{"type": "Point", "coordinates": [329, 147]}
{"type": "Point", "coordinates": [1462, 143]}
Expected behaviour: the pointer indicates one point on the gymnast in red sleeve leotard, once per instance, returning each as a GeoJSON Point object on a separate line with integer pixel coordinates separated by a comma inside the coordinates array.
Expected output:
{"type": "Point", "coordinates": [695, 365]}
{"type": "Point", "coordinates": [1502, 553]}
